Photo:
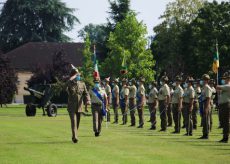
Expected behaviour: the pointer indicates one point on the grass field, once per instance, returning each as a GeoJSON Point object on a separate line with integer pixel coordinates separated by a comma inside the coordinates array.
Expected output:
{"type": "Point", "coordinates": [48, 140]}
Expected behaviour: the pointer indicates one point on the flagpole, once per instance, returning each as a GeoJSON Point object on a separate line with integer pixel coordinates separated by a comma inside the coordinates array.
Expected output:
{"type": "Point", "coordinates": [217, 81]}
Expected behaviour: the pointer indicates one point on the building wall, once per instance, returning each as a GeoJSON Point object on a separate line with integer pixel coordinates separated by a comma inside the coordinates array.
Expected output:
{"type": "Point", "coordinates": [23, 77]}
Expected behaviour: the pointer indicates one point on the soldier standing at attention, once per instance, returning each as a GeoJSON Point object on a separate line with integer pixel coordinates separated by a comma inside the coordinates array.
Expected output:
{"type": "Point", "coordinates": [212, 86]}
{"type": "Point", "coordinates": [177, 99]}
{"type": "Point", "coordinates": [141, 102]}
{"type": "Point", "coordinates": [109, 97]}
{"type": "Point", "coordinates": [132, 101]}
{"type": "Point", "coordinates": [77, 91]}
{"type": "Point", "coordinates": [224, 105]}
{"type": "Point", "coordinates": [163, 97]}
{"type": "Point", "coordinates": [196, 104]}
{"type": "Point", "coordinates": [98, 105]}
{"type": "Point", "coordinates": [153, 104]}
{"type": "Point", "coordinates": [169, 110]}
{"type": "Point", "coordinates": [115, 100]}
{"type": "Point", "coordinates": [188, 98]}
{"type": "Point", "coordinates": [124, 93]}
{"type": "Point", "coordinates": [206, 97]}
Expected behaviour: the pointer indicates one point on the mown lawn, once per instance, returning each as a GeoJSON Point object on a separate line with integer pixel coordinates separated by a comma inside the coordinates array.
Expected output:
{"type": "Point", "coordinates": [48, 140]}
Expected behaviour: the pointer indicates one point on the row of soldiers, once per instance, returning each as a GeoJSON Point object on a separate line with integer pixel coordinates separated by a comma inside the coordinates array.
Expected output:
{"type": "Point", "coordinates": [180, 100]}
{"type": "Point", "coordinates": [132, 97]}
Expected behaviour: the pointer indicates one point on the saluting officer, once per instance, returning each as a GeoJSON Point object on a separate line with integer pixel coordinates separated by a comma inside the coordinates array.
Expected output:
{"type": "Point", "coordinates": [224, 105]}
{"type": "Point", "coordinates": [115, 99]}
{"type": "Point", "coordinates": [177, 99]}
{"type": "Point", "coordinates": [206, 98]}
{"type": "Point", "coordinates": [98, 105]}
{"type": "Point", "coordinates": [141, 102]}
{"type": "Point", "coordinates": [153, 104]}
{"type": "Point", "coordinates": [163, 97]}
{"type": "Point", "coordinates": [77, 91]}
{"type": "Point", "coordinates": [132, 101]}
{"type": "Point", "coordinates": [188, 98]}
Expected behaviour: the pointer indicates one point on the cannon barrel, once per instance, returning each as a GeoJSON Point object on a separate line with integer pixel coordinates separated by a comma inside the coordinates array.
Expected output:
{"type": "Point", "coordinates": [34, 92]}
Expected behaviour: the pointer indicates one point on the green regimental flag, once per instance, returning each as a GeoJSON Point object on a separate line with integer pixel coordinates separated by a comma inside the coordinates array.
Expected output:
{"type": "Point", "coordinates": [124, 68]}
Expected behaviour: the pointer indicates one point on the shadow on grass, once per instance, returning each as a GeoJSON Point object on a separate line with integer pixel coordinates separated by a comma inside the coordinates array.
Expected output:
{"type": "Point", "coordinates": [42, 143]}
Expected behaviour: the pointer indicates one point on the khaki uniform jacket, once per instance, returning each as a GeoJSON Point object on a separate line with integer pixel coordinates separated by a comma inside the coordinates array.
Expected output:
{"type": "Point", "coordinates": [225, 94]}
{"type": "Point", "coordinates": [115, 90]}
{"type": "Point", "coordinates": [76, 93]}
{"type": "Point", "coordinates": [177, 94]}
{"type": "Point", "coordinates": [189, 93]}
{"type": "Point", "coordinates": [141, 92]}
{"type": "Point", "coordinates": [206, 92]}
{"type": "Point", "coordinates": [153, 95]}
{"type": "Point", "coordinates": [132, 91]}
{"type": "Point", "coordinates": [108, 92]}
{"type": "Point", "coordinates": [124, 92]}
{"type": "Point", "coordinates": [163, 92]}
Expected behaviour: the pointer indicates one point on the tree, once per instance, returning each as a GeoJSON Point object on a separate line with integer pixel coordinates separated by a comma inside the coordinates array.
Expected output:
{"type": "Point", "coordinates": [171, 39]}
{"type": "Point", "coordinates": [211, 25]}
{"type": "Point", "coordinates": [8, 81]}
{"type": "Point", "coordinates": [87, 68]}
{"type": "Point", "coordinates": [51, 74]}
{"type": "Point", "coordinates": [97, 35]}
{"type": "Point", "coordinates": [119, 10]}
{"type": "Point", "coordinates": [29, 20]}
{"type": "Point", "coordinates": [132, 45]}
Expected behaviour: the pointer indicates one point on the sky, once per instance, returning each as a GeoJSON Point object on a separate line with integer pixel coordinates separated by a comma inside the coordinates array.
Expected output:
{"type": "Point", "coordinates": [96, 12]}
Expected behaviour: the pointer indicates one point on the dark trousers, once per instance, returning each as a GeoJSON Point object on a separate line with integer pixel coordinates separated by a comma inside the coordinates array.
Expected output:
{"type": "Point", "coordinates": [97, 117]}
{"type": "Point", "coordinates": [206, 122]}
{"type": "Point", "coordinates": [152, 110]}
{"type": "Point", "coordinates": [169, 114]}
{"type": "Point", "coordinates": [108, 113]}
{"type": "Point", "coordinates": [75, 118]}
{"type": "Point", "coordinates": [188, 118]}
{"type": "Point", "coordinates": [163, 114]}
{"type": "Point", "coordinates": [194, 113]}
{"type": "Point", "coordinates": [115, 109]}
{"type": "Point", "coordinates": [124, 110]}
{"type": "Point", "coordinates": [183, 114]}
{"type": "Point", "coordinates": [132, 107]}
{"type": "Point", "coordinates": [176, 117]}
{"type": "Point", "coordinates": [225, 112]}
{"type": "Point", "coordinates": [140, 110]}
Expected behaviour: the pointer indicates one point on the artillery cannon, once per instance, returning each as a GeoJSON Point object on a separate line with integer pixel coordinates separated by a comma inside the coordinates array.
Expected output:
{"type": "Point", "coordinates": [41, 99]}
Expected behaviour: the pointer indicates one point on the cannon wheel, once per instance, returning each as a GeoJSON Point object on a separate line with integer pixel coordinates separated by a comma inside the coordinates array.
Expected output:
{"type": "Point", "coordinates": [30, 110]}
{"type": "Point", "coordinates": [52, 110]}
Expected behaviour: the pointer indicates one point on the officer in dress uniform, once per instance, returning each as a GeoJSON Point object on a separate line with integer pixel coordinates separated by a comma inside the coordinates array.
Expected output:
{"type": "Point", "coordinates": [124, 93]}
{"type": "Point", "coordinates": [188, 99]}
{"type": "Point", "coordinates": [206, 95]}
{"type": "Point", "coordinates": [98, 105]}
{"type": "Point", "coordinates": [163, 97]}
{"type": "Point", "coordinates": [153, 104]}
{"type": "Point", "coordinates": [132, 101]}
{"type": "Point", "coordinates": [109, 96]}
{"type": "Point", "coordinates": [224, 105]}
{"type": "Point", "coordinates": [141, 102]}
{"type": "Point", "coordinates": [77, 92]}
{"type": "Point", "coordinates": [115, 99]}
{"type": "Point", "coordinates": [177, 99]}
